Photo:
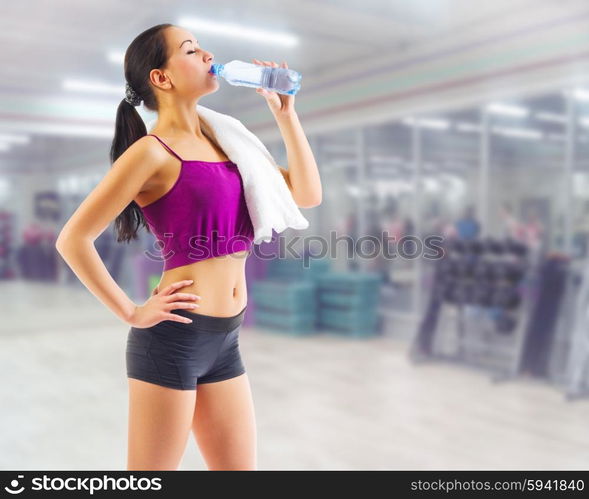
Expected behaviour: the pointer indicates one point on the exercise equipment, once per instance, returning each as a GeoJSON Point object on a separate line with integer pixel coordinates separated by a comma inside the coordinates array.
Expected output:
{"type": "Point", "coordinates": [480, 306]}
{"type": "Point", "coordinates": [484, 271]}
{"type": "Point", "coordinates": [516, 247]}
{"type": "Point", "coordinates": [511, 271]}
{"type": "Point", "coordinates": [483, 294]}
{"type": "Point", "coordinates": [505, 324]}
{"type": "Point", "coordinates": [475, 247]}
{"type": "Point", "coordinates": [467, 268]}
{"type": "Point", "coordinates": [506, 297]}
{"type": "Point", "coordinates": [288, 297]}
{"type": "Point", "coordinates": [495, 246]}
{"type": "Point", "coordinates": [457, 246]}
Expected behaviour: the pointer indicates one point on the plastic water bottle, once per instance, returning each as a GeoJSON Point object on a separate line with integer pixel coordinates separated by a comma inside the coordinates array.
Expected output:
{"type": "Point", "coordinates": [280, 80]}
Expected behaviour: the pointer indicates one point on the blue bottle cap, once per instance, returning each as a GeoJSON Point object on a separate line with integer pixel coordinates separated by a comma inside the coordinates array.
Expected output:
{"type": "Point", "coordinates": [216, 68]}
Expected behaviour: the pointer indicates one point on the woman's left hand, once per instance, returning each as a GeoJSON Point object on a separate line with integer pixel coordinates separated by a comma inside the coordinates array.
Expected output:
{"type": "Point", "coordinates": [280, 104]}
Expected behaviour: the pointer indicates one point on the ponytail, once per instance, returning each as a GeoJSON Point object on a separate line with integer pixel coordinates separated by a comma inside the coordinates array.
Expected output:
{"type": "Point", "coordinates": [129, 127]}
{"type": "Point", "coordinates": [146, 52]}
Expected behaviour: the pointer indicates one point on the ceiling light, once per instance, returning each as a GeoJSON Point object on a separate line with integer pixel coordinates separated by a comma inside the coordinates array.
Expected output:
{"type": "Point", "coordinates": [523, 133]}
{"type": "Point", "coordinates": [464, 126]}
{"type": "Point", "coordinates": [92, 87]}
{"type": "Point", "coordinates": [436, 124]}
{"type": "Point", "coordinates": [116, 57]}
{"type": "Point", "coordinates": [14, 139]}
{"type": "Point", "coordinates": [52, 128]}
{"type": "Point", "coordinates": [427, 123]}
{"type": "Point", "coordinates": [581, 94]}
{"type": "Point", "coordinates": [234, 30]}
{"type": "Point", "coordinates": [508, 110]}
{"type": "Point", "coordinates": [552, 117]}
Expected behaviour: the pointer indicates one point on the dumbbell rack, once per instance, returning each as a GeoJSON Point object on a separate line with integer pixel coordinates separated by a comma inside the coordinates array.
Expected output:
{"type": "Point", "coordinates": [471, 317]}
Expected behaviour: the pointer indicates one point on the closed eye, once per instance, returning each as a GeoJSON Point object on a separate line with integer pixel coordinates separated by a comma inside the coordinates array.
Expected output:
{"type": "Point", "coordinates": [191, 52]}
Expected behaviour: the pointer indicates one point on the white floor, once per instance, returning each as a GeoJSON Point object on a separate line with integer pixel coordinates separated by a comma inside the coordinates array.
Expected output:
{"type": "Point", "coordinates": [322, 402]}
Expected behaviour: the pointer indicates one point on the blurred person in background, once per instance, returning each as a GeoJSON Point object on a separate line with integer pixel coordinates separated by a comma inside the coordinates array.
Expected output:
{"type": "Point", "coordinates": [408, 227]}
{"type": "Point", "coordinates": [376, 229]}
{"type": "Point", "coordinates": [394, 228]}
{"type": "Point", "coordinates": [447, 228]}
{"type": "Point", "coordinates": [439, 223]}
{"type": "Point", "coordinates": [529, 231]}
{"type": "Point", "coordinates": [394, 224]}
{"type": "Point", "coordinates": [468, 227]}
{"type": "Point", "coordinates": [532, 230]}
{"type": "Point", "coordinates": [512, 227]}
{"type": "Point", "coordinates": [171, 347]}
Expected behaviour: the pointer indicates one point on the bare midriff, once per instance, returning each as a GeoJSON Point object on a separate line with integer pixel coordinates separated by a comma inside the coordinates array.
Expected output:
{"type": "Point", "coordinates": [219, 281]}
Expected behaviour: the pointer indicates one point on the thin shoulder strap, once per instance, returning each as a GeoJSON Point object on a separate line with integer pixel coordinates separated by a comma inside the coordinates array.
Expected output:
{"type": "Point", "coordinates": [166, 146]}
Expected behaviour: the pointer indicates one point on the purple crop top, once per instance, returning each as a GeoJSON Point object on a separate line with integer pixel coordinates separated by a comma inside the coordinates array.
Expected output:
{"type": "Point", "coordinates": [203, 215]}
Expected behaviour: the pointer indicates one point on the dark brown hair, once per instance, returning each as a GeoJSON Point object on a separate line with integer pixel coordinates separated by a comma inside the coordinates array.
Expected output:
{"type": "Point", "coordinates": [146, 52]}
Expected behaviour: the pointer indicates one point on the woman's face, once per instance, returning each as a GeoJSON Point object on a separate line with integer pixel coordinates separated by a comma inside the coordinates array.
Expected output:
{"type": "Point", "coordinates": [189, 64]}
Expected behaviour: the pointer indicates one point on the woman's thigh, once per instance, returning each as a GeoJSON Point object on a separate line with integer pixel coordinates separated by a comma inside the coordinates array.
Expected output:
{"type": "Point", "coordinates": [160, 419]}
{"type": "Point", "coordinates": [224, 424]}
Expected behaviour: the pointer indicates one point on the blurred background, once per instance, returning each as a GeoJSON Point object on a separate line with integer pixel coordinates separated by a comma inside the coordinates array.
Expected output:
{"type": "Point", "coordinates": [464, 120]}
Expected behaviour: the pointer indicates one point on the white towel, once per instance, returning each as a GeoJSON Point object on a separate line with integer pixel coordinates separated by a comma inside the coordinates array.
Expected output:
{"type": "Point", "coordinates": [269, 201]}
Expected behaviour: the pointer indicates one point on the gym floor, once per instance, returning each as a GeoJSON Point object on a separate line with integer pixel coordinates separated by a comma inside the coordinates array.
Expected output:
{"type": "Point", "coordinates": [322, 402]}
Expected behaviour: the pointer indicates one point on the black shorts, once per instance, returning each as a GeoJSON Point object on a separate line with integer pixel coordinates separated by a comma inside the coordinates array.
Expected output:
{"type": "Point", "coordinates": [181, 355]}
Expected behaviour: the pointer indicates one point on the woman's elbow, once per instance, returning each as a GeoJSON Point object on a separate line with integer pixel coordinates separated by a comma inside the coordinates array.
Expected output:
{"type": "Point", "coordinates": [310, 203]}
{"type": "Point", "coordinates": [316, 198]}
{"type": "Point", "coordinates": [63, 242]}
{"type": "Point", "coordinates": [60, 243]}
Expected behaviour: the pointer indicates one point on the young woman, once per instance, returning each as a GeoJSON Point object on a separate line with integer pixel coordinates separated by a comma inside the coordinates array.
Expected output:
{"type": "Point", "coordinates": [180, 185]}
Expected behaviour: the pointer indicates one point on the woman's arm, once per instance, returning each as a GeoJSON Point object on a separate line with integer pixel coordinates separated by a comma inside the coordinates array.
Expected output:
{"type": "Point", "coordinates": [302, 175]}
{"type": "Point", "coordinates": [116, 190]}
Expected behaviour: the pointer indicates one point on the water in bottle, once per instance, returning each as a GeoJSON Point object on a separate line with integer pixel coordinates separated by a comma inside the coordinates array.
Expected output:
{"type": "Point", "coordinates": [280, 80]}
